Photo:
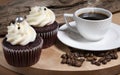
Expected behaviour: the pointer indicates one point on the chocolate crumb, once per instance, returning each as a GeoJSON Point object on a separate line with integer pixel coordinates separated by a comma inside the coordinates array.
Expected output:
{"type": "Point", "coordinates": [18, 27]}
{"type": "Point", "coordinates": [45, 9]}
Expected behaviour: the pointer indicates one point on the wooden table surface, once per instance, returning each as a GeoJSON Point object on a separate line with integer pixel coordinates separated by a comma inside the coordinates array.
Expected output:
{"type": "Point", "coordinates": [5, 71]}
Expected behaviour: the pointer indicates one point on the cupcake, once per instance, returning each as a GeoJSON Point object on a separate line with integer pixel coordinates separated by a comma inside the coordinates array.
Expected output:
{"type": "Point", "coordinates": [21, 46]}
{"type": "Point", "coordinates": [43, 21]}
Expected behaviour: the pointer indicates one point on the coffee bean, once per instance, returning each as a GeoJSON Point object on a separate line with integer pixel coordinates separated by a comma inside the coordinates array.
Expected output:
{"type": "Point", "coordinates": [115, 56]}
{"type": "Point", "coordinates": [90, 58]}
{"type": "Point", "coordinates": [108, 57]}
{"type": "Point", "coordinates": [78, 64]}
{"type": "Point", "coordinates": [87, 54]}
{"type": "Point", "coordinates": [101, 59]}
{"type": "Point", "coordinates": [76, 54]}
{"type": "Point", "coordinates": [91, 55]}
{"type": "Point", "coordinates": [108, 60]}
{"type": "Point", "coordinates": [108, 52]}
{"type": "Point", "coordinates": [81, 60]}
{"type": "Point", "coordinates": [78, 58]}
{"type": "Point", "coordinates": [97, 63]}
{"type": "Point", "coordinates": [68, 54]}
{"type": "Point", "coordinates": [93, 62]}
{"type": "Point", "coordinates": [101, 54]}
{"type": "Point", "coordinates": [115, 51]}
{"type": "Point", "coordinates": [64, 61]}
{"type": "Point", "coordinates": [73, 62]}
{"type": "Point", "coordinates": [104, 62]}
{"type": "Point", "coordinates": [72, 57]}
{"type": "Point", "coordinates": [112, 55]}
{"type": "Point", "coordinates": [64, 56]}
{"type": "Point", "coordinates": [95, 58]}
{"type": "Point", "coordinates": [68, 61]}
{"type": "Point", "coordinates": [81, 55]}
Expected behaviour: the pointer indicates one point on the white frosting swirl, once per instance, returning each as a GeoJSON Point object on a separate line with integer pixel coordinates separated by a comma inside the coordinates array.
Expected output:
{"type": "Point", "coordinates": [40, 16]}
{"type": "Point", "coordinates": [20, 33]}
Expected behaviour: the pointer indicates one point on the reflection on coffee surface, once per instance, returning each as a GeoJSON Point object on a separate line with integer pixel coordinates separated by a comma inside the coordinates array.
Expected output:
{"type": "Point", "coordinates": [93, 16]}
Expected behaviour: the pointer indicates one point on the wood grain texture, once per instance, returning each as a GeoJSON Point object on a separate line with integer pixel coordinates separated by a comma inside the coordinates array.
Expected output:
{"type": "Point", "coordinates": [10, 9]}
{"type": "Point", "coordinates": [4, 71]}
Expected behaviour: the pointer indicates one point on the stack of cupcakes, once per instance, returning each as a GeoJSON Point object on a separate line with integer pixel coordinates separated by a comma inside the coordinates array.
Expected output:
{"type": "Point", "coordinates": [43, 21]}
{"type": "Point", "coordinates": [26, 37]}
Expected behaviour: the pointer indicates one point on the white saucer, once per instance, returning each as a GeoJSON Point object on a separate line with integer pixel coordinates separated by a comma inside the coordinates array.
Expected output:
{"type": "Point", "coordinates": [72, 39]}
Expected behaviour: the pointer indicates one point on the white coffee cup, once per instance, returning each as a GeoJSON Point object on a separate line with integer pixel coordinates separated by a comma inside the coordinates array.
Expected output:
{"type": "Point", "coordinates": [92, 30]}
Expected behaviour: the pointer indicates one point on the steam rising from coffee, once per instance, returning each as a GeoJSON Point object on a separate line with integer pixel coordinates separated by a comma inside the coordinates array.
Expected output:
{"type": "Point", "coordinates": [93, 3]}
{"type": "Point", "coordinates": [92, 15]}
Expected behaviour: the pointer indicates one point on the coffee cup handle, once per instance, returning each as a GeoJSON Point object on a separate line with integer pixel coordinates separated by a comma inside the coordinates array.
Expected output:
{"type": "Point", "coordinates": [65, 18]}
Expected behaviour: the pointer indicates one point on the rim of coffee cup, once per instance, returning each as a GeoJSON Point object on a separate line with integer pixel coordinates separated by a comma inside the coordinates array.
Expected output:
{"type": "Point", "coordinates": [106, 12]}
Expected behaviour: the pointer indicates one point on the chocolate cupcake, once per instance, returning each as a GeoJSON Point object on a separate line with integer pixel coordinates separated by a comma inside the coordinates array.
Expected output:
{"type": "Point", "coordinates": [43, 21]}
{"type": "Point", "coordinates": [21, 46]}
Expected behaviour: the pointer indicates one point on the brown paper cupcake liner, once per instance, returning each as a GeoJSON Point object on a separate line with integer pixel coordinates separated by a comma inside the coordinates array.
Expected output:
{"type": "Point", "coordinates": [48, 34]}
{"type": "Point", "coordinates": [22, 58]}
{"type": "Point", "coordinates": [49, 37]}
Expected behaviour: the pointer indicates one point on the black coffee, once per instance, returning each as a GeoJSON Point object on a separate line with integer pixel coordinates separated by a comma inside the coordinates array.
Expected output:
{"type": "Point", "coordinates": [93, 16]}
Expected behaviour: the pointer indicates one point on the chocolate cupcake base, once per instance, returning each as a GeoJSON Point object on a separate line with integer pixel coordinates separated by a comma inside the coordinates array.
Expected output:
{"type": "Point", "coordinates": [22, 56]}
{"type": "Point", "coordinates": [49, 38]}
{"type": "Point", "coordinates": [48, 33]}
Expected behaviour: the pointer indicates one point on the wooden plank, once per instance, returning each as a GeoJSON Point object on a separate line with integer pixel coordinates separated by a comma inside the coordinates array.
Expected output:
{"type": "Point", "coordinates": [10, 9]}
{"type": "Point", "coordinates": [4, 2]}
{"type": "Point", "coordinates": [116, 18]}
{"type": "Point", "coordinates": [4, 71]}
